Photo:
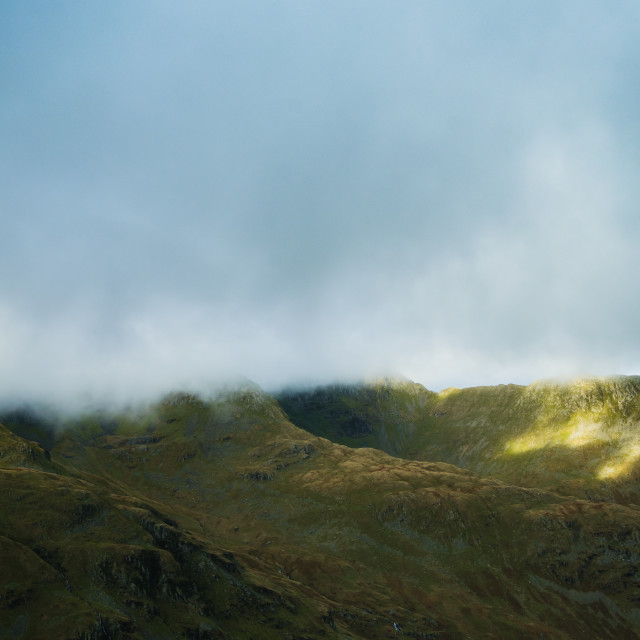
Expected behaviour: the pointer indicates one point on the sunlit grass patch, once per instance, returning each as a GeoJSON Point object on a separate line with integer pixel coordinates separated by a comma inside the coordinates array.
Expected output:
{"type": "Point", "coordinates": [579, 431]}
{"type": "Point", "coordinates": [621, 464]}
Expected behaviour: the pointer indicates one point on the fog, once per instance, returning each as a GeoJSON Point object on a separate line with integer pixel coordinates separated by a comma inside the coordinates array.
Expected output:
{"type": "Point", "coordinates": [299, 193]}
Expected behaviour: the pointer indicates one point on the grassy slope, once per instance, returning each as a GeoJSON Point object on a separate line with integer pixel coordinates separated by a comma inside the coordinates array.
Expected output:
{"type": "Point", "coordinates": [578, 439]}
{"type": "Point", "coordinates": [223, 519]}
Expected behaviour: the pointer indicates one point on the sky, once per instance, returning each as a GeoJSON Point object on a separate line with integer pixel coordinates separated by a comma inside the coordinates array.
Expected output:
{"type": "Point", "coordinates": [302, 192]}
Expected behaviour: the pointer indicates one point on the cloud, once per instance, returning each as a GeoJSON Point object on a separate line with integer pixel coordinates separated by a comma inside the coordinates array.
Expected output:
{"type": "Point", "coordinates": [295, 193]}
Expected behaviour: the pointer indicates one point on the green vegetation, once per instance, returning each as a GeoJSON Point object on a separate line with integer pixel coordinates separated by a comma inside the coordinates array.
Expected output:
{"type": "Point", "coordinates": [494, 512]}
{"type": "Point", "coordinates": [578, 439]}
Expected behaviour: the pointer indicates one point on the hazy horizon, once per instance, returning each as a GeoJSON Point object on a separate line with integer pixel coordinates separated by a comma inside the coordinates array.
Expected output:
{"type": "Point", "coordinates": [303, 193]}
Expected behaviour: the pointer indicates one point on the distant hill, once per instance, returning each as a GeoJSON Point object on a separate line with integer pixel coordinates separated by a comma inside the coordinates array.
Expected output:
{"type": "Point", "coordinates": [580, 438]}
{"type": "Point", "coordinates": [361, 512]}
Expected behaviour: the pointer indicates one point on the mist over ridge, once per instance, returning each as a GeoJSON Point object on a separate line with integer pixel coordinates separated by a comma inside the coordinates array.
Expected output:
{"type": "Point", "coordinates": [276, 281]}
{"type": "Point", "coordinates": [309, 193]}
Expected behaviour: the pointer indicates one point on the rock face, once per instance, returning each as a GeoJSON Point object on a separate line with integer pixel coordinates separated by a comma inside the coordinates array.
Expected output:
{"type": "Point", "coordinates": [495, 512]}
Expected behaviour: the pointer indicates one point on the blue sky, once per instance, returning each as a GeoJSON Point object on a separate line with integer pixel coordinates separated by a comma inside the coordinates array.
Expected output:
{"type": "Point", "coordinates": [300, 192]}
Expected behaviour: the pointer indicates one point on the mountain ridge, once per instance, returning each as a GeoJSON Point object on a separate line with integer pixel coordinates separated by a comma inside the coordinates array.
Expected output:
{"type": "Point", "coordinates": [223, 518]}
{"type": "Point", "coordinates": [539, 423]}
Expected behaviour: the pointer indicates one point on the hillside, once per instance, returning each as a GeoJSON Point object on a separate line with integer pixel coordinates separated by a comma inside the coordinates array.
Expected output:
{"type": "Point", "coordinates": [581, 438]}
{"type": "Point", "coordinates": [497, 512]}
